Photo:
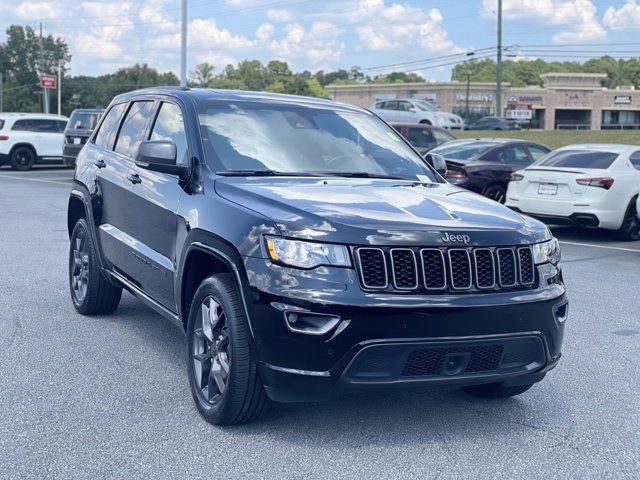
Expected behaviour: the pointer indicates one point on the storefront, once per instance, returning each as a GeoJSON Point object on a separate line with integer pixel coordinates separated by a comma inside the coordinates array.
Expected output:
{"type": "Point", "coordinates": [566, 101]}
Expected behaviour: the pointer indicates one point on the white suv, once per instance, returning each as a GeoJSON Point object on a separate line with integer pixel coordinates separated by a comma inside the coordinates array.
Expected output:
{"type": "Point", "coordinates": [415, 111]}
{"type": "Point", "coordinates": [27, 138]}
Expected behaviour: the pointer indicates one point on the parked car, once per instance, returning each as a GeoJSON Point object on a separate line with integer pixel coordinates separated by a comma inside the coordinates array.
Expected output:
{"type": "Point", "coordinates": [30, 138]}
{"type": "Point", "coordinates": [415, 111]}
{"type": "Point", "coordinates": [423, 137]}
{"type": "Point", "coordinates": [305, 248]}
{"type": "Point", "coordinates": [586, 185]}
{"type": "Point", "coordinates": [485, 165]}
{"type": "Point", "coordinates": [494, 123]}
{"type": "Point", "coordinates": [79, 128]}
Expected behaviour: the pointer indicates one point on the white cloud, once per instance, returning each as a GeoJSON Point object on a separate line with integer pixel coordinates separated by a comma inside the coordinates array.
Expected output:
{"type": "Point", "coordinates": [279, 15]}
{"type": "Point", "coordinates": [265, 32]}
{"type": "Point", "coordinates": [395, 25]}
{"type": "Point", "coordinates": [203, 33]}
{"type": "Point", "coordinates": [578, 17]}
{"type": "Point", "coordinates": [627, 16]}
{"type": "Point", "coordinates": [316, 44]}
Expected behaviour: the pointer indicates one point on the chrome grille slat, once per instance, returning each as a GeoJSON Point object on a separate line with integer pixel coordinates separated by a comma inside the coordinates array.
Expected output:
{"type": "Point", "coordinates": [404, 268]}
{"type": "Point", "coordinates": [461, 276]}
{"type": "Point", "coordinates": [507, 267]}
{"type": "Point", "coordinates": [484, 267]}
{"type": "Point", "coordinates": [526, 267]}
{"type": "Point", "coordinates": [369, 280]}
{"type": "Point", "coordinates": [435, 276]}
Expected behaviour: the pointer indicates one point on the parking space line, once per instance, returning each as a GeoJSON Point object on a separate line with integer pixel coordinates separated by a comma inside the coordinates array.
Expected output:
{"type": "Point", "coordinates": [622, 249]}
{"type": "Point", "coordinates": [15, 177]}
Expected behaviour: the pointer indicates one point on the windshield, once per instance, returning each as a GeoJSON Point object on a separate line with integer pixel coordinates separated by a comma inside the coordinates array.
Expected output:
{"type": "Point", "coordinates": [463, 151]}
{"type": "Point", "coordinates": [578, 159]}
{"type": "Point", "coordinates": [424, 105]}
{"type": "Point", "coordinates": [84, 120]}
{"type": "Point", "coordinates": [293, 139]}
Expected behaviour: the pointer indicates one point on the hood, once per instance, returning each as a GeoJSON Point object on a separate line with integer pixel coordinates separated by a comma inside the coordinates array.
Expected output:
{"type": "Point", "coordinates": [379, 211]}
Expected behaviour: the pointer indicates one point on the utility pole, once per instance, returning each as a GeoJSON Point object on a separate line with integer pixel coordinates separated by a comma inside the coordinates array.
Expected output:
{"type": "Point", "coordinates": [467, 102]}
{"type": "Point", "coordinates": [1, 92]}
{"type": "Point", "coordinates": [45, 91]}
{"type": "Point", "coordinates": [59, 87]}
{"type": "Point", "coordinates": [499, 64]}
{"type": "Point", "coordinates": [183, 46]}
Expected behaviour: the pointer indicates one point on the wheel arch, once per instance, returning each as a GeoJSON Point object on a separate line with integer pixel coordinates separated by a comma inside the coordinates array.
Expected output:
{"type": "Point", "coordinates": [23, 144]}
{"type": "Point", "coordinates": [206, 255]}
{"type": "Point", "coordinates": [75, 211]}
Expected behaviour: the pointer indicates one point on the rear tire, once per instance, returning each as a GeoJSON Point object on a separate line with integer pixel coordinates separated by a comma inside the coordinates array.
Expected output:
{"type": "Point", "coordinates": [91, 291]}
{"type": "Point", "coordinates": [497, 193]}
{"type": "Point", "coordinates": [222, 363]}
{"type": "Point", "coordinates": [495, 390]}
{"type": "Point", "coordinates": [630, 229]}
{"type": "Point", "coordinates": [22, 159]}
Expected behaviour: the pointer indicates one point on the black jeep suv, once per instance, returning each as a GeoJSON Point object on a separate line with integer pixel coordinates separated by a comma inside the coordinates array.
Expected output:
{"type": "Point", "coordinates": [305, 247]}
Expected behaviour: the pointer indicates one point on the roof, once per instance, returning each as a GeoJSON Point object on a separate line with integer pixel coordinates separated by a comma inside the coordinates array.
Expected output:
{"type": "Point", "coordinates": [496, 141]}
{"type": "Point", "coordinates": [207, 94]}
{"type": "Point", "coordinates": [417, 125]}
{"type": "Point", "coordinates": [32, 115]}
{"type": "Point", "coordinates": [603, 147]}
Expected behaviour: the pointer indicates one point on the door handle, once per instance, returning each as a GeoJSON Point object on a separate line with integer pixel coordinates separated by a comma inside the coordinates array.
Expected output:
{"type": "Point", "coordinates": [100, 163]}
{"type": "Point", "coordinates": [134, 178]}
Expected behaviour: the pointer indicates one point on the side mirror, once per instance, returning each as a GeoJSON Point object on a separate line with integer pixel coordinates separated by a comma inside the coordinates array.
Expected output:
{"type": "Point", "coordinates": [438, 163]}
{"type": "Point", "coordinates": [160, 156]}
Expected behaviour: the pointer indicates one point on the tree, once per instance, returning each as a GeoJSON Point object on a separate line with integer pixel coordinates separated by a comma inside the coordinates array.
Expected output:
{"type": "Point", "coordinates": [202, 75]}
{"type": "Point", "coordinates": [23, 56]}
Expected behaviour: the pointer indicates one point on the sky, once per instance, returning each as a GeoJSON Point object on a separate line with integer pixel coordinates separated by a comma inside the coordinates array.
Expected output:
{"type": "Point", "coordinates": [425, 36]}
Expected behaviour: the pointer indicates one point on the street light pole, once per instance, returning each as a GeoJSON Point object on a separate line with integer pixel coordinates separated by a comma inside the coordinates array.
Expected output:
{"type": "Point", "coordinates": [467, 102]}
{"type": "Point", "coordinates": [59, 88]}
{"type": "Point", "coordinates": [183, 46]}
{"type": "Point", "coordinates": [499, 64]}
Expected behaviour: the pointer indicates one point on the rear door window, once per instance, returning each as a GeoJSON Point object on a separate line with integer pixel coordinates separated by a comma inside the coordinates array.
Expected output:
{"type": "Point", "coordinates": [514, 155]}
{"type": "Point", "coordinates": [45, 126]}
{"type": "Point", "coordinates": [441, 136]}
{"type": "Point", "coordinates": [109, 127]}
{"type": "Point", "coordinates": [133, 128]}
{"type": "Point", "coordinates": [579, 159]}
{"type": "Point", "coordinates": [537, 152]}
{"type": "Point", "coordinates": [23, 126]}
{"type": "Point", "coordinates": [634, 158]}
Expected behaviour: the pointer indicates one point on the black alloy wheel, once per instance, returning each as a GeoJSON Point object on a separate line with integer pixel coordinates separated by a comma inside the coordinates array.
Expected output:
{"type": "Point", "coordinates": [22, 158]}
{"type": "Point", "coordinates": [210, 350]}
{"type": "Point", "coordinates": [222, 362]}
{"type": "Point", "coordinates": [79, 267]}
{"type": "Point", "coordinates": [630, 229]}
{"type": "Point", "coordinates": [496, 193]}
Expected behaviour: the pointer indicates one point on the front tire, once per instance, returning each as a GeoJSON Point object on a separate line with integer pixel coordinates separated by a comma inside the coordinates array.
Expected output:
{"type": "Point", "coordinates": [630, 229]}
{"type": "Point", "coordinates": [222, 364]}
{"type": "Point", "coordinates": [496, 390]}
{"type": "Point", "coordinates": [22, 159]}
{"type": "Point", "coordinates": [91, 291]}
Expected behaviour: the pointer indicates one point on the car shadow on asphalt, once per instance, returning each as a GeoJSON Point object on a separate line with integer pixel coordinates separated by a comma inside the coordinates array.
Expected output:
{"type": "Point", "coordinates": [356, 419]}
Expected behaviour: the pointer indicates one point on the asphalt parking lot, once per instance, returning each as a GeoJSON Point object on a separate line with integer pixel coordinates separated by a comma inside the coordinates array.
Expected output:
{"type": "Point", "coordinates": [108, 397]}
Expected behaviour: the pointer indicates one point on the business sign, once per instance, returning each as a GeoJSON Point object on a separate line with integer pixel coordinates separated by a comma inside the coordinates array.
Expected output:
{"type": "Point", "coordinates": [622, 99]}
{"type": "Point", "coordinates": [519, 113]}
{"type": "Point", "coordinates": [525, 99]}
{"type": "Point", "coordinates": [48, 81]}
{"type": "Point", "coordinates": [461, 97]}
{"type": "Point", "coordinates": [386, 96]}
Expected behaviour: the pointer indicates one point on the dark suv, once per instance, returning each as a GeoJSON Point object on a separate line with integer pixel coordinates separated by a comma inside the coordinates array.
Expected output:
{"type": "Point", "coordinates": [79, 128]}
{"type": "Point", "coordinates": [305, 247]}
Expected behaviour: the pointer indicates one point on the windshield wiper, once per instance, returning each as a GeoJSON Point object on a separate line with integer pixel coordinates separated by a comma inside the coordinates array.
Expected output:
{"type": "Point", "coordinates": [263, 173]}
{"type": "Point", "coordinates": [365, 175]}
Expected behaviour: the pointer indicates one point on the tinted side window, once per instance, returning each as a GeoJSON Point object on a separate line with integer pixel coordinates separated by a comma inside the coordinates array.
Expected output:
{"type": "Point", "coordinates": [634, 158]}
{"type": "Point", "coordinates": [514, 155]}
{"type": "Point", "coordinates": [441, 137]}
{"type": "Point", "coordinates": [133, 128]}
{"type": "Point", "coordinates": [421, 137]}
{"type": "Point", "coordinates": [45, 126]}
{"type": "Point", "coordinates": [109, 127]}
{"type": "Point", "coordinates": [61, 125]}
{"type": "Point", "coordinates": [169, 125]}
{"type": "Point", "coordinates": [22, 126]}
{"type": "Point", "coordinates": [404, 106]}
{"type": "Point", "coordinates": [537, 152]}
{"type": "Point", "coordinates": [390, 105]}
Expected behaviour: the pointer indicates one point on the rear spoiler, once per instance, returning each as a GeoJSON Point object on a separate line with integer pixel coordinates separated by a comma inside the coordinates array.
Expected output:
{"type": "Point", "coordinates": [552, 170]}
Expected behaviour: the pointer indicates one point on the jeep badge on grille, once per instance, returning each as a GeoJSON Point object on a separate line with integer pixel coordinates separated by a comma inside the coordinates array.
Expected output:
{"type": "Point", "coordinates": [447, 237]}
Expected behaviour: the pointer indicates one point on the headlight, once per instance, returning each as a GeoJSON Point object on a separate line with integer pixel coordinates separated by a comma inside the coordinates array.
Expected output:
{"type": "Point", "coordinates": [441, 118]}
{"type": "Point", "coordinates": [547, 252]}
{"type": "Point", "coordinates": [301, 254]}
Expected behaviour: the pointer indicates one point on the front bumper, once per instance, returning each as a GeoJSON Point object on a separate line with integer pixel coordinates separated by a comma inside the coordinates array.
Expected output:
{"type": "Point", "coordinates": [394, 340]}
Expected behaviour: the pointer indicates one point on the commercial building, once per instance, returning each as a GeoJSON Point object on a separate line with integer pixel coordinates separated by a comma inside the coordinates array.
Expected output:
{"type": "Point", "coordinates": [566, 101]}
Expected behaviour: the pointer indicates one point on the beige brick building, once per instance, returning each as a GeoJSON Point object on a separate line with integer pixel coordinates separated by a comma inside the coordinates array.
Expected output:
{"type": "Point", "coordinates": [567, 100]}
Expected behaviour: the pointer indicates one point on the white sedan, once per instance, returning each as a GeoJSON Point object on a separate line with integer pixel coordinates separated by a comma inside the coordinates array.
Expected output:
{"type": "Point", "coordinates": [587, 185]}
